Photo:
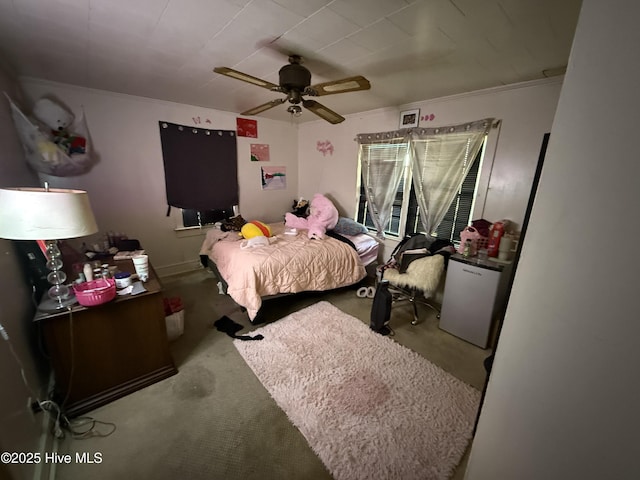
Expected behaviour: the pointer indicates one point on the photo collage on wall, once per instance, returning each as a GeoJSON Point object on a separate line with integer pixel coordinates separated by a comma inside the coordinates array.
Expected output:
{"type": "Point", "coordinates": [271, 178]}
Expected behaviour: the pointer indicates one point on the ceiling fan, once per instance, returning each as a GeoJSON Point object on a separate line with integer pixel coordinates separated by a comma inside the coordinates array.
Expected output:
{"type": "Point", "coordinates": [295, 82]}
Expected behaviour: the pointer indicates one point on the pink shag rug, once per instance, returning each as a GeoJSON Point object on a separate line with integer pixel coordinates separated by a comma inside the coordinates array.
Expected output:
{"type": "Point", "coordinates": [368, 407]}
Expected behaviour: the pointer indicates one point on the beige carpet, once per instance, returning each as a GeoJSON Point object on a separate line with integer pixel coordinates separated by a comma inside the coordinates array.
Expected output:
{"type": "Point", "coordinates": [369, 407]}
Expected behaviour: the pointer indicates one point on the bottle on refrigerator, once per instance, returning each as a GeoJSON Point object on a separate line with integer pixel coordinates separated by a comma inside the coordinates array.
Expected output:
{"type": "Point", "coordinates": [495, 235]}
{"type": "Point", "coordinates": [467, 248]}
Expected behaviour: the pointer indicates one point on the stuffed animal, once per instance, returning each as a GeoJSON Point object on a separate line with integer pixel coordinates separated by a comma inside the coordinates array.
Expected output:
{"type": "Point", "coordinates": [232, 224]}
{"type": "Point", "coordinates": [255, 229]}
{"type": "Point", "coordinates": [323, 216]}
{"type": "Point", "coordinates": [58, 119]}
{"type": "Point", "coordinates": [300, 207]}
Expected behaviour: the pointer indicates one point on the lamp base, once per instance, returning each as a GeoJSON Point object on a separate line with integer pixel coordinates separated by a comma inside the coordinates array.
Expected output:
{"type": "Point", "coordinates": [52, 305]}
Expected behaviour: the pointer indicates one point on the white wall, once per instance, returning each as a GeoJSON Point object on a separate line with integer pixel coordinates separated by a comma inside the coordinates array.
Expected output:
{"type": "Point", "coordinates": [526, 111]}
{"type": "Point", "coordinates": [563, 398]}
{"type": "Point", "coordinates": [20, 357]}
{"type": "Point", "coordinates": [126, 187]}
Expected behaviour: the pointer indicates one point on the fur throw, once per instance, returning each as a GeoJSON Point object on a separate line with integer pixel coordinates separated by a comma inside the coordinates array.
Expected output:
{"type": "Point", "coordinates": [424, 274]}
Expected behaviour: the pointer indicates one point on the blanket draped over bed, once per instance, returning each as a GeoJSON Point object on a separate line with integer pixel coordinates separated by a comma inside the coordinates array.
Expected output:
{"type": "Point", "coordinates": [289, 264]}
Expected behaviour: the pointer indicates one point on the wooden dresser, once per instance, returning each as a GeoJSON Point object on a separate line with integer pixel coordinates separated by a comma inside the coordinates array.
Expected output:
{"type": "Point", "coordinates": [102, 353]}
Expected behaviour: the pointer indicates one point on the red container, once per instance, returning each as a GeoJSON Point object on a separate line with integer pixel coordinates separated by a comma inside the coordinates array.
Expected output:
{"type": "Point", "coordinates": [95, 292]}
{"type": "Point", "coordinates": [495, 235]}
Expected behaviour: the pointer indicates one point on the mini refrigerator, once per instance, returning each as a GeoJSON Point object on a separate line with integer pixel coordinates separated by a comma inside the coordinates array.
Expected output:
{"type": "Point", "coordinates": [474, 298]}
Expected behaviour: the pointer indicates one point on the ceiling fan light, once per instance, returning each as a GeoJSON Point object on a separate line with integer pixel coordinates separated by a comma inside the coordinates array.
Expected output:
{"type": "Point", "coordinates": [295, 110]}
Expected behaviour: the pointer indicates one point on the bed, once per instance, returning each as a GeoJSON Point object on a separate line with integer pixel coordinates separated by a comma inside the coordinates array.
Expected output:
{"type": "Point", "coordinates": [291, 263]}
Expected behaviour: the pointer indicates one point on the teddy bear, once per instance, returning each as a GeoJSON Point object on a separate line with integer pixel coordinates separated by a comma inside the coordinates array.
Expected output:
{"type": "Point", "coordinates": [58, 119]}
{"type": "Point", "coordinates": [323, 216]}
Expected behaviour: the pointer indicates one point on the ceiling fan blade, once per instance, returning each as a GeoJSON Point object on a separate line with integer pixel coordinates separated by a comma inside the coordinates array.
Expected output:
{"type": "Point", "coordinates": [322, 111]}
{"type": "Point", "coordinates": [349, 84]}
{"type": "Point", "coordinates": [230, 72]}
{"type": "Point", "coordinates": [264, 106]}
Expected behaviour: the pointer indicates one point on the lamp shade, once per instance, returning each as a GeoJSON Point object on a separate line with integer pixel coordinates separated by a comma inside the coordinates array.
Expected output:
{"type": "Point", "coordinates": [45, 214]}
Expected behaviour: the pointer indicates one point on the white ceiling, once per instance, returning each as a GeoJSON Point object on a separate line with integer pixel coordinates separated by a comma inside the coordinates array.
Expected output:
{"type": "Point", "coordinates": [410, 50]}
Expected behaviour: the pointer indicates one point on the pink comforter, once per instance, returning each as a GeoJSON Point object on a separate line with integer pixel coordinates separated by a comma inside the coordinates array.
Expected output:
{"type": "Point", "coordinates": [289, 264]}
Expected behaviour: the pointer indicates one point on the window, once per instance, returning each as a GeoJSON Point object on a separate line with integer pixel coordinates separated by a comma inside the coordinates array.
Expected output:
{"type": "Point", "coordinates": [445, 163]}
{"type": "Point", "coordinates": [393, 226]}
{"type": "Point", "coordinates": [460, 209]}
{"type": "Point", "coordinates": [383, 166]}
{"type": "Point", "coordinates": [199, 218]}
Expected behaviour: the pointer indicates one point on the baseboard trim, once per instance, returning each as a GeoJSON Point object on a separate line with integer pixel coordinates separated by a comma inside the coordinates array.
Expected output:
{"type": "Point", "coordinates": [178, 268]}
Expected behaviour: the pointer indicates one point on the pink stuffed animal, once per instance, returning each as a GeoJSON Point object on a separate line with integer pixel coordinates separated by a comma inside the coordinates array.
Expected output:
{"type": "Point", "coordinates": [323, 216]}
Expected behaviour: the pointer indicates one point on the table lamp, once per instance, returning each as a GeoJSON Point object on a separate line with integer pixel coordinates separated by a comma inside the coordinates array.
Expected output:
{"type": "Point", "coordinates": [48, 214]}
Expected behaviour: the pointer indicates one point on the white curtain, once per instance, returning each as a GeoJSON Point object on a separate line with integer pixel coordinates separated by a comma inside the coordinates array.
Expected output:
{"type": "Point", "coordinates": [383, 158]}
{"type": "Point", "coordinates": [441, 159]}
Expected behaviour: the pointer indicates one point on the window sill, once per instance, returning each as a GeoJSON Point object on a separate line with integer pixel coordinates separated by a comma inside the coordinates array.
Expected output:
{"type": "Point", "coordinates": [182, 232]}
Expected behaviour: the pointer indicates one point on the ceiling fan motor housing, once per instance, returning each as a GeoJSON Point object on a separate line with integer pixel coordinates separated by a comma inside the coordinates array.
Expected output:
{"type": "Point", "coordinates": [294, 77]}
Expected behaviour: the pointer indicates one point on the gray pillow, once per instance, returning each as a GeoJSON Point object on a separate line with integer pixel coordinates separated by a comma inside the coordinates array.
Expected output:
{"type": "Point", "coordinates": [347, 226]}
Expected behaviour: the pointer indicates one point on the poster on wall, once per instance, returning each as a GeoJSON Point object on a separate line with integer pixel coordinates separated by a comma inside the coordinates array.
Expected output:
{"type": "Point", "coordinates": [247, 128]}
{"type": "Point", "coordinates": [259, 152]}
{"type": "Point", "coordinates": [273, 178]}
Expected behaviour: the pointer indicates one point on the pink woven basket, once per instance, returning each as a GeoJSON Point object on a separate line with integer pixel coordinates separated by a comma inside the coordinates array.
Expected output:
{"type": "Point", "coordinates": [482, 243]}
{"type": "Point", "coordinates": [478, 242]}
{"type": "Point", "coordinates": [95, 292]}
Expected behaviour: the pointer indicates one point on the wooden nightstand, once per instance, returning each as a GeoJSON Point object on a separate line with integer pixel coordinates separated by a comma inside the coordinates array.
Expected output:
{"type": "Point", "coordinates": [102, 353]}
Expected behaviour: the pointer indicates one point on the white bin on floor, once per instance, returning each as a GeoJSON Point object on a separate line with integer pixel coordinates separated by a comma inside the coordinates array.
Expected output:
{"type": "Point", "coordinates": [175, 325]}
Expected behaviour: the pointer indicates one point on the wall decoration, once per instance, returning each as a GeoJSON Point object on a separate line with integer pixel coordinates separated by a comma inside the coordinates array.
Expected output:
{"type": "Point", "coordinates": [324, 147]}
{"type": "Point", "coordinates": [247, 127]}
{"type": "Point", "coordinates": [428, 117]}
{"type": "Point", "coordinates": [259, 152]}
{"type": "Point", "coordinates": [273, 178]}
{"type": "Point", "coordinates": [198, 120]}
{"type": "Point", "coordinates": [409, 118]}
